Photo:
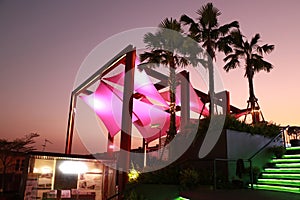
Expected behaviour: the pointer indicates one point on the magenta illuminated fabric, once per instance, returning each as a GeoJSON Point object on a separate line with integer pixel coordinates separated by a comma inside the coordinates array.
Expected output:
{"type": "Point", "coordinates": [142, 85]}
{"type": "Point", "coordinates": [106, 101]}
{"type": "Point", "coordinates": [140, 109]}
{"type": "Point", "coordinates": [108, 107]}
{"type": "Point", "coordinates": [150, 133]}
{"type": "Point", "coordinates": [238, 115]}
{"type": "Point", "coordinates": [196, 104]}
{"type": "Point", "coordinates": [148, 114]}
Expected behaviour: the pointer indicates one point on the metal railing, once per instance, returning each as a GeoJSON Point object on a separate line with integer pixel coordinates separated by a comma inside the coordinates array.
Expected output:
{"type": "Point", "coordinates": [282, 134]}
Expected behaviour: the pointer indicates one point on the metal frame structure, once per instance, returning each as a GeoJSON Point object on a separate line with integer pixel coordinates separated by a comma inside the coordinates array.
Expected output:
{"type": "Point", "coordinates": [110, 65]}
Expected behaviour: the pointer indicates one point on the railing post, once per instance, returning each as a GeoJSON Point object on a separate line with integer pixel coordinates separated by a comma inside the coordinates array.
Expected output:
{"type": "Point", "coordinates": [251, 174]}
{"type": "Point", "coordinates": [215, 174]}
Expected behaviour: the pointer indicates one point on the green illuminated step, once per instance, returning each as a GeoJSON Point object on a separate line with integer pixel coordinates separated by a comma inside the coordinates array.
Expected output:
{"type": "Point", "coordinates": [276, 188]}
{"type": "Point", "coordinates": [284, 176]}
{"type": "Point", "coordinates": [293, 148]}
{"type": "Point", "coordinates": [283, 170]}
{"type": "Point", "coordinates": [291, 156]}
{"type": "Point", "coordinates": [285, 160]}
{"type": "Point", "coordinates": [279, 182]}
{"type": "Point", "coordinates": [286, 165]}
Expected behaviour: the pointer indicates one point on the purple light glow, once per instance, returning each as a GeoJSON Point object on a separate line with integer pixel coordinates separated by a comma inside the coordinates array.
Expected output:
{"type": "Point", "coordinates": [107, 103]}
{"type": "Point", "coordinates": [196, 104]}
{"type": "Point", "coordinates": [142, 85]}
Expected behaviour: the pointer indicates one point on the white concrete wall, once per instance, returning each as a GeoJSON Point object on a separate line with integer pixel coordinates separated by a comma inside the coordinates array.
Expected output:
{"type": "Point", "coordinates": [242, 145]}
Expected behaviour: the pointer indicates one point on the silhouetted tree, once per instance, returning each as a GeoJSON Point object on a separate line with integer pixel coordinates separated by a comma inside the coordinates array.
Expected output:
{"type": "Point", "coordinates": [211, 36]}
{"type": "Point", "coordinates": [252, 56]}
{"type": "Point", "coordinates": [170, 48]}
{"type": "Point", "coordinates": [9, 148]}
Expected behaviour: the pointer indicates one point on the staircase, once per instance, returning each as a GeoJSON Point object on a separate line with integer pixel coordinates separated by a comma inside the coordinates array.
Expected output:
{"type": "Point", "coordinates": [282, 174]}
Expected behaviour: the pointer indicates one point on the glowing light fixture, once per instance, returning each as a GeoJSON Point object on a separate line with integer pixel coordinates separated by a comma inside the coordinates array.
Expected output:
{"type": "Point", "coordinates": [288, 160]}
{"type": "Point", "coordinates": [133, 175]}
{"type": "Point", "coordinates": [181, 198]}
{"type": "Point", "coordinates": [36, 170]}
{"type": "Point", "coordinates": [291, 156]}
{"type": "Point", "coordinates": [287, 164]}
{"type": "Point", "coordinates": [293, 148]}
{"type": "Point", "coordinates": [73, 167]}
{"type": "Point", "coordinates": [96, 170]}
{"type": "Point", "coordinates": [279, 182]}
{"type": "Point", "coordinates": [287, 176]}
{"type": "Point", "coordinates": [277, 188]}
{"type": "Point", "coordinates": [46, 170]}
{"type": "Point", "coordinates": [280, 170]}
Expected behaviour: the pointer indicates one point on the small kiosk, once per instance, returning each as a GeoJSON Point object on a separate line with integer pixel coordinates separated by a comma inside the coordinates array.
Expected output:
{"type": "Point", "coordinates": [53, 176]}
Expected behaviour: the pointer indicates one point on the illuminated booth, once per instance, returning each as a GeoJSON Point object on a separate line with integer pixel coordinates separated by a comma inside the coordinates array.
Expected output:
{"type": "Point", "coordinates": [53, 176]}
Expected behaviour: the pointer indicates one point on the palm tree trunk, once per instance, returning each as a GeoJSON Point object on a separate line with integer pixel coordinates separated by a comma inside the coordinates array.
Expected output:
{"type": "Point", "coordinates": [172, 109]}
{"type": "Point", "coordinates": [252, 100]}
{"type": "Point", "coordinates": [211, 85]}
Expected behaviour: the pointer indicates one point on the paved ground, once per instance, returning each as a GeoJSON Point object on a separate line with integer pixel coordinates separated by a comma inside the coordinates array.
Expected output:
{"type": "Point", "coordinates": [170, 192]}
{"type": "Point", "coordinates": [244, 194]}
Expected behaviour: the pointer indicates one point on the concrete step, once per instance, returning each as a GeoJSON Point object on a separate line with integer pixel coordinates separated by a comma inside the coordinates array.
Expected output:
{"type": "Point", "coordinates": [282, 182]}
{"type": "Point", "coordinates": [277, 188]}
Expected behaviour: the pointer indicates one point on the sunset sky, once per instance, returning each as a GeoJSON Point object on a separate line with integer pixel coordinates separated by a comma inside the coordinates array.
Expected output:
{"type": "Point", "coordinates": [43, 43]}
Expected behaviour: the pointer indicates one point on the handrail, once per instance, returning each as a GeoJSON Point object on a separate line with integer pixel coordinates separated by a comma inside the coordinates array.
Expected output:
{"type": "Point", "coordinates": [262, 148]}
{"type": "Point", "coordinates": [249, 159]}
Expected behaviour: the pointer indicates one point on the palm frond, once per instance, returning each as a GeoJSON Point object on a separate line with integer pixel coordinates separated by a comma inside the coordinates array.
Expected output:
{"type": "Point", "coordinates": [171, 23]}
{"type": "Point", "coordinates": [186, 20]}
{"type": "Point", "coordinates": [229, 57]}
{"type": "Point", "coordinates": [255, 40]}
{"type": "Point", "coordinates": [237, 38]}
{"type": "Point", "coordinates": [232, 64]}
{"type": "Point", "coordinates": [256, 56]}
{"type": "Point", "coordinates": [265, 49]}
{"type": "Point", "coordinates": [260, 64]}
{"type": "Point", "coordinates": [226, 27]}
{"type": "Point", "coordinates": [208, 15]}
{"type": "Point", "coordinates": [224, 44]}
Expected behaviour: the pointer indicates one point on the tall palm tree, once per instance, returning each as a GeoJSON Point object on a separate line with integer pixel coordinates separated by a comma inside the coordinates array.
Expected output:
{"type": "Point", "coordinates": [252, 55]}
{"type": "Point", "coordinates": [171, 49]}
{"type": "Point", "coordinates": [211, 36]}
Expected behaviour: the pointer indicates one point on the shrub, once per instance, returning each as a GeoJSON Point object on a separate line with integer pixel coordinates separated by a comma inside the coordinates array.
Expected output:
{"type": "Point", "coordinates": [263, 128]}
{"type": "Point", "coordinates": [189, 178]}
{"type": "Point", "coordinates": [168, 175]}
{"type": "Point", "coordinates": [278, 151]}
{"type": "Point", "coordinates": [133, 195]}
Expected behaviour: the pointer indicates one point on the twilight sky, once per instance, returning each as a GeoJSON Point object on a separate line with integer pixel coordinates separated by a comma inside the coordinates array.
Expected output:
{"type": "Point", "coordinates": [43, 43]}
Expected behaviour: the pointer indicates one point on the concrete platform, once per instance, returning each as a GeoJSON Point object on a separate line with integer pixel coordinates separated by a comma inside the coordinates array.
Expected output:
{"type": "Point", "coordinates": [243, 194]}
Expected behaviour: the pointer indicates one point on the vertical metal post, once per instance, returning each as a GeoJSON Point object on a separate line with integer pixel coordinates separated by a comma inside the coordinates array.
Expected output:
{"type": "Point", "coordinates": [110, 145]}
{"type": "Point", "coordinates": [185, 99]}
{"type": "Point", "coordinates": [126, 124]}
{"type": "Point", "coordinates": [70, 129]}
{"type": "Point", "coordinates": [215, 174]}
{"type": "Point", "coordinates": [251, 174]}
{"type": "Point", "coordinates": [105, 176]}
{"type": "Point", "coordinates": [145, 147]}
{"type": "Point", "coordinates": [227, 103]}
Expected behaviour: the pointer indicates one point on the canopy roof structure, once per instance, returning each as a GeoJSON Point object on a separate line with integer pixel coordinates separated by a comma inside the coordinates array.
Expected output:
{"type": "Point", "coordinates": [150, 99]}
{"type": "Point", "coordinates": [107, 102]}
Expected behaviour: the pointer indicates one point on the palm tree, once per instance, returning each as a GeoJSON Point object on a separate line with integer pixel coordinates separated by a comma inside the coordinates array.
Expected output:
{"type": "Point", "coordinates": [171, 49]}
{"type": "Point", "coordinates": [211, 36]}
{"type": "Point", "coordinates": [252, 55]}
